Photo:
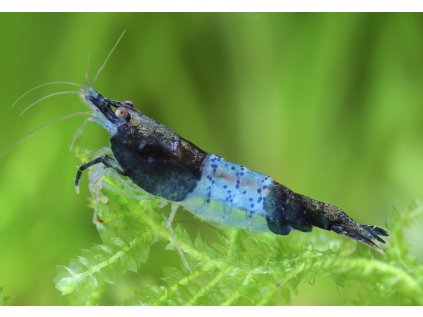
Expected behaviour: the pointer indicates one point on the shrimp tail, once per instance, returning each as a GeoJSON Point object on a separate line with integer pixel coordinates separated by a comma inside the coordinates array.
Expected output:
{"type": "Point", "coordinates": [287, 210]}
{"type": "Point", "coordinates": [330, 217]}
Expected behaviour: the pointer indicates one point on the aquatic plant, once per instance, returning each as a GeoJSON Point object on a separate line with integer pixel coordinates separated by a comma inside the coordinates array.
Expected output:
{"type": "Point", "coordinates": [237, 267]}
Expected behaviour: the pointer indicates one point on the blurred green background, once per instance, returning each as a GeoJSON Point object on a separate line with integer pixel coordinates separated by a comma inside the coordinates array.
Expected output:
{"type": "Point", "coordinates": [328, 104]}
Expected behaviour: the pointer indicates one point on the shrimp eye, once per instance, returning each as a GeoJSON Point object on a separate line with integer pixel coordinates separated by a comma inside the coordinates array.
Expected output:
{"type": "Point", "coordinates": [122, 113]}
{"type": "Point", "coordinates": [129, 103]}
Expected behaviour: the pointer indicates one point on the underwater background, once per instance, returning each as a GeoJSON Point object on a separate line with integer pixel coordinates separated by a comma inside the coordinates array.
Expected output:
{"type": "Point", "coordinates": [328, 104]}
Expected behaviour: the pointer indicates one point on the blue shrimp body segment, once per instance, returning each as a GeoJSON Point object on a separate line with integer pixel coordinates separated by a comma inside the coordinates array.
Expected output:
{"type": "Point", "coordinates": [230, 194]}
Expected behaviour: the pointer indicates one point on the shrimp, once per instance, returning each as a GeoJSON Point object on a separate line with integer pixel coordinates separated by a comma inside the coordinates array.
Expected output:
{"type": "Point", "coordinates": [164, 164]}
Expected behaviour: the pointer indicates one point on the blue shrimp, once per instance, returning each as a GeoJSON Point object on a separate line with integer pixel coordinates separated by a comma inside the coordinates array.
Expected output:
{"type": "Point", "coordinates": [166, 165]}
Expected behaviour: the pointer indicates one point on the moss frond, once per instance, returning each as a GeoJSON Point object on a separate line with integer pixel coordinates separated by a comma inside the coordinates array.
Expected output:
{"type": "Point", "coordinates": [238, 267]}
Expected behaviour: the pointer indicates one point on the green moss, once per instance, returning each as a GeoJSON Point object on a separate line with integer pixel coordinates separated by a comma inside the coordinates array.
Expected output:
{"type": "Point", "coordinates": [237, 267]}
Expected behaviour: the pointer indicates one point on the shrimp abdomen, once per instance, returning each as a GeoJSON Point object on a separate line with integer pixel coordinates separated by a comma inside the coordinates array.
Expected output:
{"type": "Point", "coordinates": [288, 210]}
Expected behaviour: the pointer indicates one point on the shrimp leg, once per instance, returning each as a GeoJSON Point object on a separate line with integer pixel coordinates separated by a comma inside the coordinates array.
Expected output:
{"type": "Point", "coordinates": [173, 237]}
{"type": "Point", "coordinates": [106, 160]}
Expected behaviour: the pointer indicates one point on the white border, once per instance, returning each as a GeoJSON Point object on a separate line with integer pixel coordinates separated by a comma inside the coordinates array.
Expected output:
{"type": "Point", "coordinates": [212, 5]}
{"type": "Point", "coordinates": [205, 311]}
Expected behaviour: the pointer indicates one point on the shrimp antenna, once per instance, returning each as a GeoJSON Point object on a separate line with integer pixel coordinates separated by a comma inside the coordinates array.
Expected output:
{"type": "Point", "coordinates": [9, 148]}
{"type": "Point", "coordinates": [107, 58]}
{"type": "Point", "coordinates": [86, 73]}
{"type": "Point", "coordinates": [48, 96]}
{"type": "Point", "coordinates": [78, 133]}
{"type": "Point", "coordinates": [43, 85]}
